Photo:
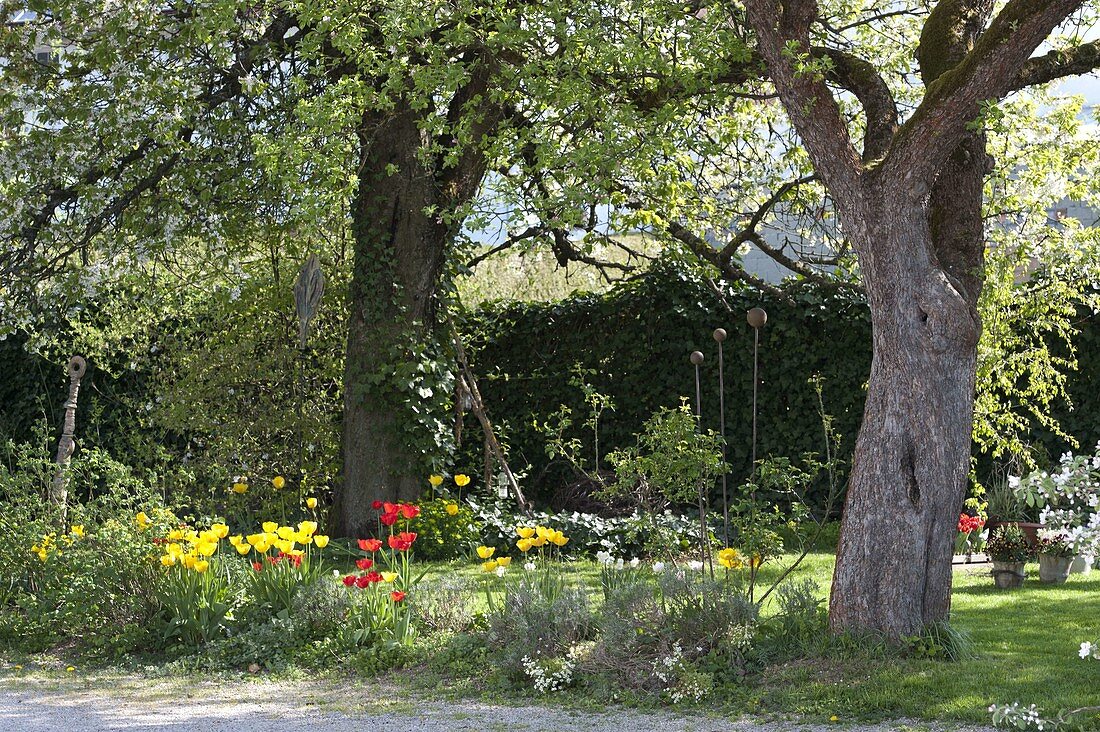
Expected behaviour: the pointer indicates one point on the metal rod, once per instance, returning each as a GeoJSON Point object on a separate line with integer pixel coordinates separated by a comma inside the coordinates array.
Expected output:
{"type": "Point", "coordinates": [704, 539]}
{"type": "Point", "coordinates": [720, 336]}
{"type": "Point", "coordinates": [755, 381]}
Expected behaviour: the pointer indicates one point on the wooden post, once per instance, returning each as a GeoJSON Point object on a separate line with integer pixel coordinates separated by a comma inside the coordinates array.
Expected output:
{"type": "Point", "coordinates": [59, 489]}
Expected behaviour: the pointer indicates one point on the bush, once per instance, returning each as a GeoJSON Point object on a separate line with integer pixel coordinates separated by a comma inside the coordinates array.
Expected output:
{"type": "Point", "coordinates": [446, 529]}
{"type": "Point", "coordinates": [678, 625]}
{"type": "Point", "coordinates": [90, 581]}
{"type": "Point", "coordinates": [531, 625]}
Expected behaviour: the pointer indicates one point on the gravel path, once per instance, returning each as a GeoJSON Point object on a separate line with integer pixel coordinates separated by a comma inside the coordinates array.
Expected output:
{"type": "Point", "coordinates": [91, 705]}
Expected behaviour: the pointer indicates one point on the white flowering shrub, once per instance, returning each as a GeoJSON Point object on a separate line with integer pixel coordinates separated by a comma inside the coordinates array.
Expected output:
{"type": "Point", "coordinates": [1069, 499]}
{"type": "Point", "coordinates": [549, 674]}
{"type": "Point", "coordinates": [679, 679]}
{"type": "Point", "coordinates": [1030, 717]}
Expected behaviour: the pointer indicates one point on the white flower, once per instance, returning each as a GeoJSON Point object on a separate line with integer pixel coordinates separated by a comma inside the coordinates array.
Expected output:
{"type": "Point", "coordinates": [619, 563]}
{"type": "Point", "coordinates": [1086, 650]}
{"type": "Point", "coordinates": [658, 567]}
{"type": "Point", "coordinates": [500, 571]}
{"type": "Point", "coordinates": [695, 565]}
{"type": "Point", "coordinates": [530, 566]}
{"type": "Point", "coordinates": [635, 562]}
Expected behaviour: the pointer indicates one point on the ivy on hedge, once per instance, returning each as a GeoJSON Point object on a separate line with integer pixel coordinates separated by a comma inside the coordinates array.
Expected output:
{"type": "Point", "coordinates": [637, 339]}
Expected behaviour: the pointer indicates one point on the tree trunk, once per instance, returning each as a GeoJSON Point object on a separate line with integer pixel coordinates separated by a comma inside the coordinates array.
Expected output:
{"type": "Point", "coordinates": [912, 457]}
{"type": "Point", "coordinates": [398, 256]}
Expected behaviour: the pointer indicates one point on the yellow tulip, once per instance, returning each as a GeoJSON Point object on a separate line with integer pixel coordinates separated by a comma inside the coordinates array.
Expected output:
{"type": "Point", "coordinates": [504, 561]}
{"type": "Point", "coordinates": [538, 541]}
{"type": "Point", "coordinates": [142, 520]}
{"type": "Point", "coordinates": [236, 540]}
{"type": "Point", "coordinates": [201, 566]}
{"type": "Point", "coordinates": [300, 538]}
{"type": "Point", "coordinates": [188, 561]}
{"type": "Point", "coordinates": [240, 487]}
{"type": "Point", "coordinates": [525, 532]}
{"type": "Point", "coordinates": [524, 545]}
{"type": "Point", "coordinates": [435, 480]}
{"type": "Point", "coordinates": [451, 509]}
{"type": "Point", "coordinates": [206, 548]}
{"type": "Point", "coordinates": [278, 482]}
{"type": "Point", "coordinates": [389, 576]}
{"type": "Point", "coordinates": [243, 549]}
{"type": "Point", "coordinates": [560, 539]}
{"type": "Point", "coordinates": [295, 553]}
{"type": "Point", "coordinates": [41, 554]}
{"type": "Point", "coordinates": [543, 532]}
{"type": "Point", "coordinates": [462, 480]}
{"type": "Point", "coordinates": [208, 536]}
{"type": "Point", "coordinates": [283, 545]}
{"type": "Point", "coordinates": [168, 560]}
{"type": "Point", "coordinates": [485, 551]}
{"type": "Point", "coordinates": [175, 535]}
{"type": "Point", "coordinates": [77, 530]}
{"type": "Point", "coordinates": [321, 541]}
{"type": "Point", "coordinates": [255, 539]}
{"type": "Point", "coordinates": [262, 545]}
{"type": "Point", "coordinates": [285, 533]}
{"type": "Point", "coordinates": [308, 527]}
{"type": "Point", "coordinates": [489, 566]}
{"type": "Point", "coordinates": [220, 530]}
{"type": "Point", "coordinates": [269, 527]}
{"type": "Point", "coordinates": [311, 503]}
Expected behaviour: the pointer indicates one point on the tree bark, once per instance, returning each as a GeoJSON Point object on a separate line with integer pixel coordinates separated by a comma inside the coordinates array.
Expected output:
{"type": "Point", "coordinates": [912, 456]}
{"type": "Point", "coordinates": [398, 256]}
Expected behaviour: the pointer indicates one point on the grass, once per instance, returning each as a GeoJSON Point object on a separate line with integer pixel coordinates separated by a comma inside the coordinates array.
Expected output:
{"type": "Point", "coordinates": [1024, 641]}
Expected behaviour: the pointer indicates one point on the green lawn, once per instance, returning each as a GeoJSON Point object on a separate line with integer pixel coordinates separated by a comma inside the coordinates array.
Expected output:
{"type": "Point", "coordinates": [1025, 641]}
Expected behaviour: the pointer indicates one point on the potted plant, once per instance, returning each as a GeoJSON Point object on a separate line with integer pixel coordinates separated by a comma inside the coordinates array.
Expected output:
{"type": "Point", "coordinates": [969, 538]}
{"type": "Point", "coordinates": [1009, 549]}
{"type": "Point", "coordinates": [1004, 506]}
{"type": "Point", "coordinates": [1066, 498]}
{"type": "Point", "coordinates": [1056, 553]}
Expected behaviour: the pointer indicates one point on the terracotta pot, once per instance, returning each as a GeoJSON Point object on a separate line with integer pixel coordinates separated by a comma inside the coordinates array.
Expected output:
{"type": "Point", "coordinates": [1031, 531]}
{"type": "Point", "coordinates": [1054, 570]}
{"type": "Point", "coordinates": [1008, 575]}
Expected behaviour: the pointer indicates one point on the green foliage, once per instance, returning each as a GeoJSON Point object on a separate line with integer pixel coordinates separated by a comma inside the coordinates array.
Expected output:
{"type": "Point", "coordinates": [671, 463]}
{"type": "Point", "coordinates": [635, 341]}
{"type": "Point", "coordinates": [536, 624]}
{"type": "Point", "coordinates": [90, 580]}
{"type": "Point", "coordinates": [443, 535]}
{"type": "Point", "coordinates": [1007, 543]}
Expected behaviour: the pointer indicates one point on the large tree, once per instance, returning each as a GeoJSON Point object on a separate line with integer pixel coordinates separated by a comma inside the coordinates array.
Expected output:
{"type": "Point", "coordinates": [912, 210]}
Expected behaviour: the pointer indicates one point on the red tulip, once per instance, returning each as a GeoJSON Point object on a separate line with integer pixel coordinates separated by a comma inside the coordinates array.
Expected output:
{"type": "Point", "coordinates": [410, 511]}
{"type": "Point", "coordinates": [388, 519]}
{"type": "Point", "coordinates": [376, 505]}
{"type": "Point", "coordinates": [402, 542]}
{"type": "Point", "coordinates": [258, 566]}
{"type": "Point", "coordinates": [349, 580]}
{"type": "Point", "coordinates": [372, 577]}
{"type": "Point", "coordinates": [390, 507]}
{"type": "Point", "coordinates": [397, 595]}
{"type": "Point", "coordinates": [370, 545]}
{"type": "Point", "coordinates": [362, 581]}
{"type": "Point", "coordinates": [364, 563]}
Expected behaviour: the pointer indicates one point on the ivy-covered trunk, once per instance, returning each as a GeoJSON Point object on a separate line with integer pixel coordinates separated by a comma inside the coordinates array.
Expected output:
{"type": "Point", "coordinates": [398, 256]}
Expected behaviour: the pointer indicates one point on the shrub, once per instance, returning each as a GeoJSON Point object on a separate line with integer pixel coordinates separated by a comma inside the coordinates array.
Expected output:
{"type": "Point", "coordinates": [446, 529]}
{"type": "Point", "coordinates": [531, 625]}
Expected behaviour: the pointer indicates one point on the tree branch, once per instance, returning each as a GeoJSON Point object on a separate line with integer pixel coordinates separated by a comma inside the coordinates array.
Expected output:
{"type": "Point", "coordinates": [1081, 59]}
{"type": "Point", "coordinates": [782, 30]}
{"type": "Point", "coordinates": [951, 102]}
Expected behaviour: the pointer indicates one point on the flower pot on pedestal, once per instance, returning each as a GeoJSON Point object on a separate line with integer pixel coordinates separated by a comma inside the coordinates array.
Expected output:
{"type": "Point", "coordinates": [1008, 575]}
{"type": "Point", "coordinates": [1054, 569]}
{"type": "Point", "coordinates": [1082, 564]}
